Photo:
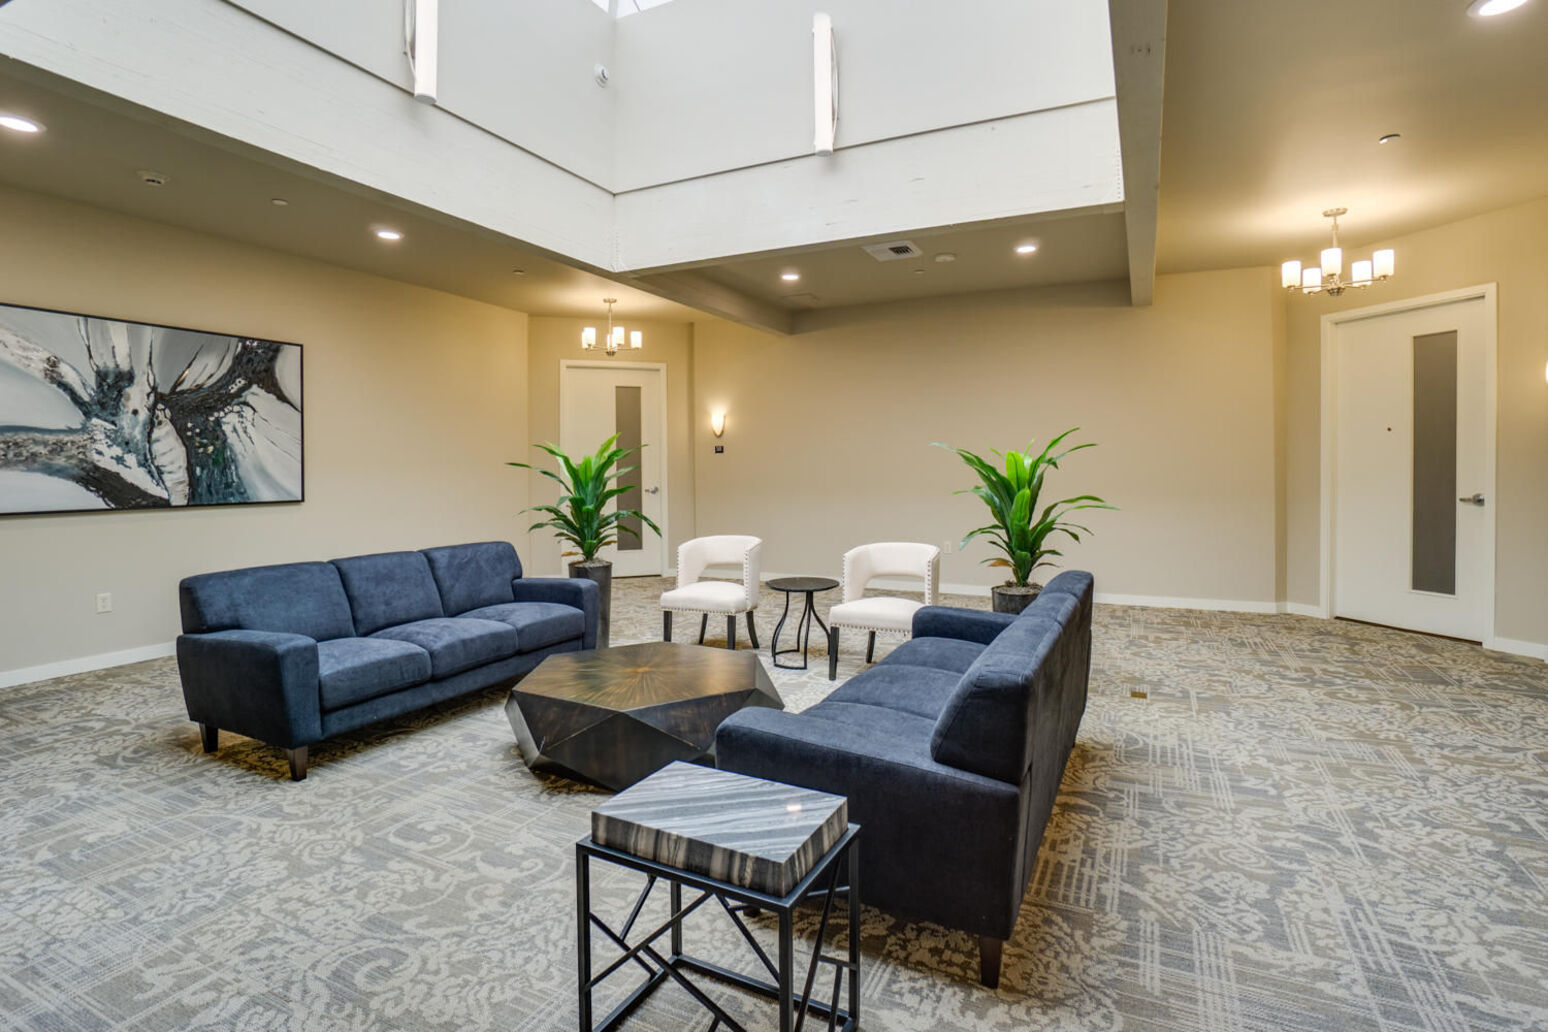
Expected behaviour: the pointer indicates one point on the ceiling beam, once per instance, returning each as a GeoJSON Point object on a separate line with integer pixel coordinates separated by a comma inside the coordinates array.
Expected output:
{"type": "Point", "coordinates": [1139, 66]}
{"type": "Point", "coordinates": [699, 291]}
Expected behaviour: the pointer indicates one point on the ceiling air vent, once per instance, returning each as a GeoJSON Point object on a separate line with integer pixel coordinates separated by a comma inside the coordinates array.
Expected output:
{"type": "Point", "coordinates": [892, 250]}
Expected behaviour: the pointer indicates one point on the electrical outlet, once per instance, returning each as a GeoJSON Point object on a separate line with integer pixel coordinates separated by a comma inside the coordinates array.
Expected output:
{"type": "Point", "coordinates": [948, 546]}
{"type": "Point", "coordinates": [105, 602]}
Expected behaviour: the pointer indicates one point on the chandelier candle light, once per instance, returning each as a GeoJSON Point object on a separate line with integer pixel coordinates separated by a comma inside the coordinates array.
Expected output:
{"type": "Point", "coordinates": [1328, 276]}
{"type": "Point", "coordinates": [614, 341]}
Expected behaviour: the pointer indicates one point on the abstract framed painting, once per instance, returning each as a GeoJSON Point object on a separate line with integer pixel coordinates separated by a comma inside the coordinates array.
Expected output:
{"type": "Point", "coordinates": [102, 414]}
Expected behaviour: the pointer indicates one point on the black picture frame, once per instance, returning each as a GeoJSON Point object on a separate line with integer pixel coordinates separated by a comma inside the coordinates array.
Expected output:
{"type": "Point", "coordinates": [222, 439]}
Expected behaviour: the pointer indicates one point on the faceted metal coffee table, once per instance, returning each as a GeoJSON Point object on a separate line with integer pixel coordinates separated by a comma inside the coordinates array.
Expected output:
{"type": "Point", "coordinates": [614, 716]}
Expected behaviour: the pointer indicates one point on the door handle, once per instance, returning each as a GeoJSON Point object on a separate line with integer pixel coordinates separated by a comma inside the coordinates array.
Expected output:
{"type": "Point", "coordinates": [1474, 499]}
{"type": "Point", "coordinates": [653, 490]}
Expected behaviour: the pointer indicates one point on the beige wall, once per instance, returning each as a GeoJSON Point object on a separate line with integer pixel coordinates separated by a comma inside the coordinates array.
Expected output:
{"type": "Point", "coordinates": [1508, 248]}
{"type": "Point", "coordinates": [413, 400]}
{"type": "Point", "coordinates": [554, 340]}
{"type": "Point", "coordinates": [828, 434]}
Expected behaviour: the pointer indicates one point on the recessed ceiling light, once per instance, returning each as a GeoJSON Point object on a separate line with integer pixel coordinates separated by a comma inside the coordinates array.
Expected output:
{"type": "Point", "coordinates": [518, 272]}
{"type": "Point", "coordinates": [1390, 137]}
{"type": "Point", "coordinates": [1026, 248]}
{"type": "Point", "coordinates": [790, 277]}
{"type": "Point", "coordinates": [945, 256]}
{"type": "Point", "coordinates": [1490, 8]}
{"type": "Point", "coordinates": [18, 124]}
{"type": "Point", "coordinates": [918, 272]}
{"type": "Point", "coordinates": [151, 177]}
{"type": "Point", "coordinates": [389, 234]}
{"type": "Point", "coordinates": [278, 202]}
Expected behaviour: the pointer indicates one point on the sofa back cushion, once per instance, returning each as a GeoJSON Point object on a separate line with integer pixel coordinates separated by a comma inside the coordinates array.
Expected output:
{"type": "Point", "coordinates": [295, 598]}
{"type": "Point", "coordinates": [990, 725]}
{"type": "Point", "coordinates": [388, 589]}
{"type": "Point", "coordinates": [473, 576]}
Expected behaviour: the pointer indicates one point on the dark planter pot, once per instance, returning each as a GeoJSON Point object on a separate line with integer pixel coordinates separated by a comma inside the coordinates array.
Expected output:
{"type": "Point", "coordinates": [1010, 599]}
{"type": "Point", "coordinates": [600, 571]}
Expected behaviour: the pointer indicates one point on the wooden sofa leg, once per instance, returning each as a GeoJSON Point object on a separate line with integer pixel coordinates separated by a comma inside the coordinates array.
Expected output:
{"type": "Point", "coordinates": [297, 758]}
{"type": "Point", "coordinates": [989, 951]}
{"type": "Point", "coordinates": [666, 625]}
{"type": "Point", "coordinates": [752, 631]}
{"type": "Point", "coordinates": [832, 653]}
{"type": "Point", "coordinates": [703, 626]}
{"type": "Point", "coordinates": [209, 735]}
{"type": "Point", "coordinates": [870, 648]}
{"type": "Point", "coordinates": [731, 631]}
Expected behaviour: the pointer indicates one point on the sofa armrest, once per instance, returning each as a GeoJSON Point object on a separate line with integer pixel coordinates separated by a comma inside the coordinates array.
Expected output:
{"type": "Point", "coordinates": [262, 684]}
{"type": "Point", "coordinates": [569, 591]}
{"type": "Point", "coordinates": [963, 624]}
{"type": "Point", "coordinates": [937, 842]}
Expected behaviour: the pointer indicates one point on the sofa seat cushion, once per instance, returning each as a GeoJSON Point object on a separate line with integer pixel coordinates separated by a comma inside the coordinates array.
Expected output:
{"type": "Point", "coordinates": [711, 596]}
{"type": "Point", "coordinates": [538, 624]}
{"type": "Point", "coordinates": [950, 654]}
{"type": "Point", "coordinates": [908, 689]}
{"type": "Point", "coordinates": [876, 614]}
{"type": "Point", "coordinates": [880, 731]}
{"type": "Point", "coordinates": [351, 670]}
{"type": "Point", "coordinates": [456, 643]}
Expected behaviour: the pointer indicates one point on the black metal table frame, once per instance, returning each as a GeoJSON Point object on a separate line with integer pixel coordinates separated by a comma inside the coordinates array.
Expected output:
{"type": "Point", "coordinates": [808, 614]}
{"type": "Point", "coordinates": [793, 1009]}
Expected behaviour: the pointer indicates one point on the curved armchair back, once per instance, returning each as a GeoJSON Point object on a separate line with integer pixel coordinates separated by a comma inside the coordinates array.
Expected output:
{"type": "Point", "coordinates": [694, 557]}
{"type": "Point", "coordinates": [891, 559]}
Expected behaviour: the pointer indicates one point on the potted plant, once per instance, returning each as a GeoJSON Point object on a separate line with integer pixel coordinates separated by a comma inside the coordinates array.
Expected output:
{"type": "Point", "coordinates": [1019, 531]}
{"type": "Point", "coordinates": [580, 516]}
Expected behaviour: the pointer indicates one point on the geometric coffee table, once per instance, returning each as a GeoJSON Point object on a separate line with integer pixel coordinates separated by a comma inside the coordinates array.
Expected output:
{"type": "Point", "coordinates": [615, 716]}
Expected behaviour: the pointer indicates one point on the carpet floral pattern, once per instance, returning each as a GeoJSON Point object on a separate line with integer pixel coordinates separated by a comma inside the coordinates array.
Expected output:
{"type": "Point", "coordinates": [1303, 825]}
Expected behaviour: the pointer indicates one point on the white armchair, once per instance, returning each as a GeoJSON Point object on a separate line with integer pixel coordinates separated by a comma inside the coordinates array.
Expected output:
{"type": "Point", "coordinates": [880, 615]}
{"type": "Point", "coordinates": [693, 595]}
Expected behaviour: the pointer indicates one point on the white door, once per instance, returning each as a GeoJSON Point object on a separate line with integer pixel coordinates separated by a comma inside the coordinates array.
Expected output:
{"type": "Point", "coordinates": [598, 400]}
{"type": "Point", "coordinates": [1413, 495]}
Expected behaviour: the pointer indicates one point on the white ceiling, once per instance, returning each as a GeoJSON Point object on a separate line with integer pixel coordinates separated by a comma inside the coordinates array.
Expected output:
{"type": "Point", "coordinates": [1070, 249]}
{"type": "Point", "coordinates": [1272, 112]}
{"type": "Point", "coordinates": [95, 144]}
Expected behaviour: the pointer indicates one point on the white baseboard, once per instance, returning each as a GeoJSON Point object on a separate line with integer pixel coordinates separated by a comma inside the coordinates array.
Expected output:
{"type": "Point", "coordinates": [101, 661]}
{"type": "Point", "coordinates": [1518, 648]}
{"type": "Point", "coordinates": [1170, 602]}
{"type": "Point", "coordinates": [1301, 609]}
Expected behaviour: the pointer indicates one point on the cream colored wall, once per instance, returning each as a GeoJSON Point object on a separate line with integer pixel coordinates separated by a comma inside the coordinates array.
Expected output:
{"type": "Point", "coordinates": [413, 398]}
{"type": "Point", "coordinates": [828, 433]}
{"type": "Point", "coordinates": [553, 340]}
{"type": "Point", "coordinates": [1509, 248]}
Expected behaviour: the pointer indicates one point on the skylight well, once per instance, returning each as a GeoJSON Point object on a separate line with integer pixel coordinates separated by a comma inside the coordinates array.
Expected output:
{"type": "Point", "coordinates": [624, 8]}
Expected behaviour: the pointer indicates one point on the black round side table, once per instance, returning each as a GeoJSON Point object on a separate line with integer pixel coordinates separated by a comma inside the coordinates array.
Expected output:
{"type": "Point", "coordinates": [809, 586]}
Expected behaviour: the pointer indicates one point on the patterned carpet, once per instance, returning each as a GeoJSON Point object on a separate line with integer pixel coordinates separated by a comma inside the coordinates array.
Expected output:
{"type": "Point", "coordinates": [1306, 825]}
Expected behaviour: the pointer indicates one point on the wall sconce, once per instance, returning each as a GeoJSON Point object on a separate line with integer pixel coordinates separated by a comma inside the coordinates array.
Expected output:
{"type": "Point", "coordinates": [718, 422]}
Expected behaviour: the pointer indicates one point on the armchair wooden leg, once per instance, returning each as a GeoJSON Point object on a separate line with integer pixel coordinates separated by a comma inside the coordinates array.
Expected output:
{"type": "Point", "coordinates": [832, 653]}
{"type": "Point", "coordinates": [870, 648]}
{"type": "Point", "coordinates": [297, 758]}
{"type": "Point", "coordinates": [666, 625]}
{"type": "Point", "coordinates": [752, 631]}
{"type": "Point", "coordinates": [703, 626]}
{"type": "Point", "coordinates": [989, 951]}
{"type": "Point", "coordinates": [209, 735]}
{"type": "Point", "coordinates": [731, 631]}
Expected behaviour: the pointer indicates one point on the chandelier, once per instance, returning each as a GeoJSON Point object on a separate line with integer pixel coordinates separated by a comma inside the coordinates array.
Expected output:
{"type": "Point", "coordinates": [1328, 275]}
{"type": "Point", "coordinates": [614, 341]}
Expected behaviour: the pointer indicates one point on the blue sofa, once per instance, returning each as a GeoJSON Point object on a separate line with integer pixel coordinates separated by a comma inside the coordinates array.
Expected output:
{"type": "Point", "coordinates": [293, 654]}
{"type": "Point", "coordinates": [950, 750]}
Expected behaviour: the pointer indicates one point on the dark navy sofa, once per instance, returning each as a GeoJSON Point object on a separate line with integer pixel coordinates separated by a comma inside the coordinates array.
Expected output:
{"type": "Point", "coordinates": [293, 654]}
{"type": "Point", "coordinates": [950, 751]}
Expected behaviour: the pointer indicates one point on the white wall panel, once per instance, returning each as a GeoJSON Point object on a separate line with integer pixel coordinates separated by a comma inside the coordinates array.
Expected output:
{"type": "Point", "coordinates": [705, 86]}
{"type": "Point", "coordinates": [1048, 161]}
{"type": "Point", "coordinates": [523, 71]}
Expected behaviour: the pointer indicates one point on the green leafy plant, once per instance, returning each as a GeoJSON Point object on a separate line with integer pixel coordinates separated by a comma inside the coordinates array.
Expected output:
{"type": "Point", "coordinates": [585, 488]}
{"type": "Point", "coordinates": [1019, 530]}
